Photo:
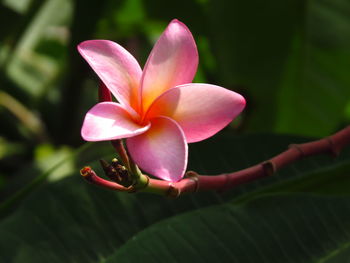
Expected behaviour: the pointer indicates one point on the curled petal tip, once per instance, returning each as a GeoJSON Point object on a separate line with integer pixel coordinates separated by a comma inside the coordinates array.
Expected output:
{"type": "Point", "coordinates": [242, 100]}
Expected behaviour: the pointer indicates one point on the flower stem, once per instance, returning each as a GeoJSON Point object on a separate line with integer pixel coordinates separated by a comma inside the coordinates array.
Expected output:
{"type": "Point", "coordinates": [140, 180]}
{"type": "Point", "coordinates": [194, 182]}
{"type": "Point", "coordinates": [89, 175]}
{"type": "Point", "coordinates": [119, 147]}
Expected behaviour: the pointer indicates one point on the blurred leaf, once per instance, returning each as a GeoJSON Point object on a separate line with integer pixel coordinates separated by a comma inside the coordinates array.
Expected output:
{"type": "Point", "coordinates": [188, 11]}
{"type": "Point", "coordinates": [84, 20]}
{"type": "Point", "coordinates": [129, 16]}
{"type": "Point", "coordinates": [315, 86]}
{"type": "Point", "coordinates": [52, 48]}
{"type": "Point", "coordinates": [347, 112]}
{"type": "Point", "coordinates": [251, 40]}
{"type": "Point", "coordinates": [281, 228]}
{"type": "Point", "coordinates": [327, 181]}
{"type": "Point", "coordinates": [2, 181]}
{"type": "Point", "coordinates": [8, 17]}
{"type": "Point", "coordinates": [291, 59]}
{"type": "Point", "coordinates": [8, 148]}
{"type": "Point", "coordinates": [50, 164]}
{"type": "Point", "coordinates": [72, 221]}
{"type": "Point", "coordinates": [28, 119]}
{"type": "Point", "coordinates": [48, 156]}
{"type": "Point", "coordinates": [19, 6]}
{"type": "Point", "coordinates": [76, 222]}
{"type": "Point", "coordinates": [30, 70]}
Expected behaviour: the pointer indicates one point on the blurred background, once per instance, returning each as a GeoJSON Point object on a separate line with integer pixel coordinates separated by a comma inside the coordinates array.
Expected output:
{"type": "Point", "coordinates": [290, 59]}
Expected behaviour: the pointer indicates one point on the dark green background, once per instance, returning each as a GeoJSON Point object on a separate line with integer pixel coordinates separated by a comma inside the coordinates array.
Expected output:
{"type": "Point", "coordinates": [291, 61]}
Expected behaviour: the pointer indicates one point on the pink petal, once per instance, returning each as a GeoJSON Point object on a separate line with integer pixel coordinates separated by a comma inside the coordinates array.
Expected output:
{"type": "Point", "coordinates": [116, 67]}
{"type": "Point", "coordinates": [161, 151]}
{"type": "Point", "coordinates": [200, 109]}
{"type": "Point", "coordinates": [173, 61]}
{"type": "Point", "coordinates": [109, 121]}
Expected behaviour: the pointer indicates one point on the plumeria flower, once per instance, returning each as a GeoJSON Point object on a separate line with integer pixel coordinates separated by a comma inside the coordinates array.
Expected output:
{"type": "Point", "coordinates": [159, 109]}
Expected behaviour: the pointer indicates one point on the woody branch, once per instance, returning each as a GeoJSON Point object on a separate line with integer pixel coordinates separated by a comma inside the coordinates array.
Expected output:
{"type": "Point", "coordinates": [194, 182]}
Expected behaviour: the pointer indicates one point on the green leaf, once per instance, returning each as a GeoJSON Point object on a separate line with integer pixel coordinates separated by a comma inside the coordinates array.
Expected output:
{"type": "Point", "coordinates": [30, 70]}
{"type": "Point", "coordinates": [316, 76]}
{"type": "Point", "coordinates": [31, 175]}
{"type": "Point", "coordinates": [251, 41]}
{"type": "Point", "coordinates": [280, 228]}
{"type": "Point", "coordinates": [72, 221]}
{"type": "Point", "coordinates": [290, 58]}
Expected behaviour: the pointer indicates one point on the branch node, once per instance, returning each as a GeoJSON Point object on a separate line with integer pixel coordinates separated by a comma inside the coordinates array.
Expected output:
{"type": "Point", "coordinates": [194, 182]}
{"type": "Point", "coordinates": [269, 168]}
{"type": "Point", "coordinates": [297, 148]}
{"type": "Point", "coordinates": [333, 149]}
{"type": "Point", "coordinates": [138, 187]}
{"type": "Point", "coordinates": [173, 192]}
{"type": "Point", "coordinates": [190, 174]}
{"type": "Point", "coordinates": [131, 189]}
{"type": "Point", "coordinates": [193, 176]}
{"type": "Point", "coordinates": [225, 186]}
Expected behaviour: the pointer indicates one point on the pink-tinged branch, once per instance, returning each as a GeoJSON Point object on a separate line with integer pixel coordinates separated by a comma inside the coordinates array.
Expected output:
{"type": "Point", "coordinates": [195, 182]}
{"type": "Point", "coordinates": [89, 175]}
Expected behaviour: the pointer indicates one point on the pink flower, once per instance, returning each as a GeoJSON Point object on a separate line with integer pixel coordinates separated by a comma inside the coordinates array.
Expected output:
{"type": "Point", "coordinates": [159, 109]}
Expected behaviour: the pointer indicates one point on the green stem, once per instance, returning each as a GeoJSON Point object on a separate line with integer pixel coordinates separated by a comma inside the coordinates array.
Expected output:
{"type": "Point", "coordinates": [119, 147]}
{"type": "Point", "coordinates": [32, 122]}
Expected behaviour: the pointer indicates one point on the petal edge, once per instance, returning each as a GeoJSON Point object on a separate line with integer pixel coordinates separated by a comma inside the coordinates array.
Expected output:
{"type": "Point", "coordinates": [201, 110]}
{"type": "Point", "coordinates": [109, 121]}
{"type": "Point", "coordinates": [173, 61]}
{"type": "Point", "coordinates": [161, 151]}
{"type": "Point", "coordinates": [116, 67]}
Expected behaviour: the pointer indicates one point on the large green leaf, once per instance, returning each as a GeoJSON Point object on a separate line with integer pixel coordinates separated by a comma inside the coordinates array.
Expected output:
{"type": "Point", "coordinates": [251, 41]}
{"type": "Point", "coordinates": [316, 73]}
{"type": "Point", "coordinates": [290, 58]}
{"type": "Point", "coordinates": [281, 228]}
{"type": "Point", "coordinates": [72, 221]}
